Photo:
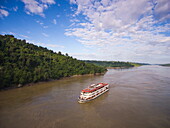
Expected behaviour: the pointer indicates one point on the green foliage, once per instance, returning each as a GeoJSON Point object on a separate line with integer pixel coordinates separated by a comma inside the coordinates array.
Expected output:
{"type": "Point", "coordinates": [165, 65]}
{"type": "Point", "coordinates": [138, 64]}
{"type": "Point", "coordinates": [114, 63]}
{"type": "Point", "coordinates": [111, 63]}
{"type": "Point", "coordinates": [22, 63]}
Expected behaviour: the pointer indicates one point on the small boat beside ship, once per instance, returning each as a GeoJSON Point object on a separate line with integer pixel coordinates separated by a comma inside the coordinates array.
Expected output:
{"type": "Point", "coordinates": [92, 92]}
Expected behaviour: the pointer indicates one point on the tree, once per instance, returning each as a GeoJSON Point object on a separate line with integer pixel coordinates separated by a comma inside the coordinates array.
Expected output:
{"type": "Point", "coordinates": [59, 53]}
{"type": "Point", "coordinates": [22, 63]}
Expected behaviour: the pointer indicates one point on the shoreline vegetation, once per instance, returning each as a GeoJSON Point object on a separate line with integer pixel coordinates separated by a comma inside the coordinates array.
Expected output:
{"type": "Point", "coordinates": [168, 65]}
{"type": "Point", "coordinates": [33, 84]}
{"type": "Point", "coordinates": [115, 64]}
{"type": "Point", "coordinates": [119, 67]}
{"type": "Point", "coordinates": [25, 64]}
{"type": "Point", "coordinates": [22, 63]}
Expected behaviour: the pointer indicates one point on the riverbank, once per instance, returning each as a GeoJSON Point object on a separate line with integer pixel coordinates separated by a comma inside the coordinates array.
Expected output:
{"type": "Point", "coordinates": [118, 67]}
{"type": "Point", "coordinates": [40, 82]}
{"type": "Point", "coordinates": [167, 65]}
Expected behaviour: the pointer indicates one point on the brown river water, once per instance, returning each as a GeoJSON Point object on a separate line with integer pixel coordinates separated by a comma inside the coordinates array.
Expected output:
{"type": "Point", "coordinates": [138, 98]}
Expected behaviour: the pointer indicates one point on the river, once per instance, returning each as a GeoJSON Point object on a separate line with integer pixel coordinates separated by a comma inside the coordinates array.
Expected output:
{"type": "Point", "coordinates": [138, 98]}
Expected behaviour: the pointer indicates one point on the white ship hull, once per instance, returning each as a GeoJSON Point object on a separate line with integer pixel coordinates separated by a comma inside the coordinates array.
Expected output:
{"type": "Point", "coordinates": [93, 92]}
{"type": "Point", "coordinates": [84, 101]}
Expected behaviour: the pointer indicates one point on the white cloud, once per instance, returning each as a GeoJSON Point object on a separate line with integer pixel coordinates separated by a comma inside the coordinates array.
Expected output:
{"type": "Point", "coordinates": [58, 16]}
{"type": "Point", "coordinates": [162, 9]}
{"type": "Point", "coordinates": [49, 45]}
{"type": "Point", "coordinates": [12, 33]}
{"type": "Point", "coordinates": [48, 1]}
{"type": "Point", "coordinates": [44, 34]}
{"type": "Point", "coordinates": [45, 26]}
{"type": "Point", "coordinates": [3, 13]}
{"type": "Point", "coordinates": [124, 30]}
{"type": "Point", "coordinates": [34, 7]}
{"type": "Point", "coordinates": [23, 36]}
{"type": "Point", "coordinates": [54, 21]}
{"type": "Point", "coordinates": [42, 24]}
{"type": "Point", "coordinates": [17, 35]}
{"type": "Point", "coordinates": [37, 7]}
{"type": "Point", "coordinates": [39, 22]}
{"type": "Point", "coordinates": [15, 8]}
{"type": "Point", "coordinates": [85, 56]}
{"type": "Point", "coordinates": [46, 44]}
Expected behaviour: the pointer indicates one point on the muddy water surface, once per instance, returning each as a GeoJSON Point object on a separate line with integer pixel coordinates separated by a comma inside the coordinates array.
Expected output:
{"type": "Point", "coordinates": [138, 98]}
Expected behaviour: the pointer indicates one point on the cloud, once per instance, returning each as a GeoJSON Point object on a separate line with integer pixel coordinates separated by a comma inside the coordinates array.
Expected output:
{"type": "Point", "coordinates": [17, 35]}
{"type": "Point", "coordinates": [48, 1]}
{"type": "Point", "coordinates": [49, 45]}
{"type": "Point", "coordinates": [85, 56]}
{"type": "Point", "coordinates": [3, 13]}
{"type": "Point", "coordinates": [39, 22]}
{"type": "Point", "coordinates": [37, 7]}
{"type": "Point", "coordinates": [54, 21]}
{"type": "Point", "coordinates": [44, 34]}
{"type": "Point", "coordinates": [23, 36]}
{"type": "Point", "coordinates": [33, 7]}
{"type": "Point", "coordinates": [124, 30]}
{"type": "Point", "coordinates": [45, 26]}
{"type": "Point", "coordinates": [12, 33]}
{"type": "Point", "coordinates": [42, 24]}
{"type": "Point", "coordinates": [15, 8]}
{"type": "Point", "coordinates": [46, 44]}
{"type": "Point", "coordinates": [162, 9]}
{"type": "Point", "coordinates": [58, 16]}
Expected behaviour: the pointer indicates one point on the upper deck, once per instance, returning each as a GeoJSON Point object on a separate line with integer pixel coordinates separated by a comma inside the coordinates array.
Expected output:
{"type": "Point", "coordinates": [94, 87]}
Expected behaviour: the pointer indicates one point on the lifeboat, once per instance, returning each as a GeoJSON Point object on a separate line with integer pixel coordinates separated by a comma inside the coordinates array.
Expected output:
{"type": "Point", "coordinates": [92, 92]}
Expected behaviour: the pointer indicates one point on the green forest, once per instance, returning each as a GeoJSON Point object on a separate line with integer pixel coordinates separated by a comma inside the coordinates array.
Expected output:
{"type": "Point", "coordinates": [23, 63]}
{"type": "Point", "coordinates": [165, 65]}
{"type": "Point", "coordinates": [113, 63]}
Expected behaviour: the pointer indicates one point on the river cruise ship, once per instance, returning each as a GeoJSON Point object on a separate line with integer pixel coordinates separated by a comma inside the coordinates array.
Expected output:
{"type": "Point", "coordinates": [92, 92]}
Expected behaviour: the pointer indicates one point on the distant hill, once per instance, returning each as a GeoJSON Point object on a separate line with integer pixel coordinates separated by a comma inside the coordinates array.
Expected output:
{"type": "Point", "coordinates": [23, 63]}
{"type": "Point", "coordinates": [165, 64]}
{"type": "Point", "coordinates": [114, 64]}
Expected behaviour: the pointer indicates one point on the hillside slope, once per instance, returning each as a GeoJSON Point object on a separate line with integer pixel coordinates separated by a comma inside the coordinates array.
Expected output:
{"type": "Point", "coordinates": [22, 63]}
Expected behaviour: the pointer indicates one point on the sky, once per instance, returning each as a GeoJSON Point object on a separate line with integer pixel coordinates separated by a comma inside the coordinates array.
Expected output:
{"type": "Point", "coordinates": [109, 30]}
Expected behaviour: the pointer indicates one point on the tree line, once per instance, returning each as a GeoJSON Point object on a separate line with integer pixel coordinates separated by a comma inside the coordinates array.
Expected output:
{"type": "Point", "coordinates": [23, 63]}
{"type": "Point", "coordinates": [111, 63]}
{"type": "Point", "coordinates": [165, 65]}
